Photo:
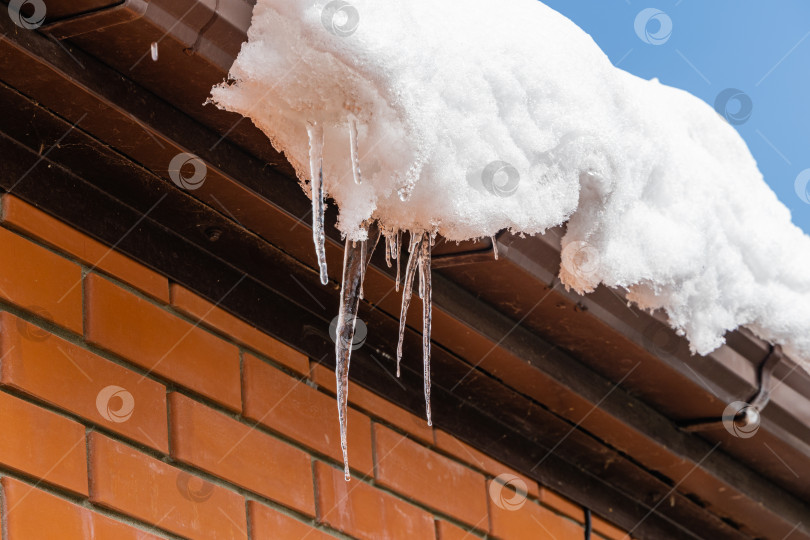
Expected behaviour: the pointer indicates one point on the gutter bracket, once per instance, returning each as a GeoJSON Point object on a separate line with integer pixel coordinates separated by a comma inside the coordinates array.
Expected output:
{"type": "Point", "coordinates": [190, 51]}
{"type": "Point", "coordinates": [745, 413]}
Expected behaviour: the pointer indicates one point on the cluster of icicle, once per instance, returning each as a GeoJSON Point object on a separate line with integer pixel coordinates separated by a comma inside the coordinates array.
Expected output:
{"type": "Point", "coordinates": [356, 256]}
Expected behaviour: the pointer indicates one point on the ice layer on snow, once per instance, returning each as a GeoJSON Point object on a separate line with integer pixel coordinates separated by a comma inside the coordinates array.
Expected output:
{"type": "Point", "coordinates": [476, 116]}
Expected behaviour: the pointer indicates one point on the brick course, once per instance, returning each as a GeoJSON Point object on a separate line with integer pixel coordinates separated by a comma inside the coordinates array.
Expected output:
{"type": "Point", "coordinates": [365, 512]}
{"type": "Point", "coordinates": [154, 339]}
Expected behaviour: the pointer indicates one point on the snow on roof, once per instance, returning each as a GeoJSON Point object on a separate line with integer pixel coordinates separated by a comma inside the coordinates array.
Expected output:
{"type": "Point", "coordinates": [473, 116]}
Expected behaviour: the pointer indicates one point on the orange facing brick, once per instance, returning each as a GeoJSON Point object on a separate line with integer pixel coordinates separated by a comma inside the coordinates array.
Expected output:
{"type": "Point", "coordinates": [448, 531]}
{"type": "Point", "coordinates": [481, 461]}
{"type": "Point", "coordinates": [24, 217]}
{"type": "Point", "coordinates": [268, 523]}
{"type": "Point", "coordinates": [140, 486]}
{"type": "Point", "coordinates": [33, 513]}
{"type": "Point", "coordinates": [375, 405]}
{"type": "Point", "coordinates": [228, 449]}
{"type": "Point", "coordinates": [423, 475]}
{"type": "Point", "coordinates": [363, 511]}
{"type": "Point", "coordinates": [158, 341]}
{"type": "Point", "coordinates": [43, 444]}
{"type": "Point", "coordinates": [289, 406]}
{"type": "Point", "coordinates": [83, 383]}
{"type": "Point", "coordinates": [40, 281]}
{"type": "Point", "coordinates": [531, 521]}
{"type": "Point", "coordinates": [198, 308]}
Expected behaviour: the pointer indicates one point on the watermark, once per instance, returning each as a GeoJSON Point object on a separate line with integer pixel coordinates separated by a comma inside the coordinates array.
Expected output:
{"type": "Point", "coordinates": [653, 26]}
{"type": "Point", "coordinates": [498, 178]}
{"type": "Point", "coordinates": [660, 339]}
{"type": "Point", "coordinates": [28, 14]}
{"type": "Point", "coordinates": [802, 186]}
{"type": "Point", "coordinates": [184, 163]}
{"type": "Point", "coordinates": [193, 488]}
{"type": "Point", "coordinates": [741, 419]}
{"type": "Point", "coordinates": [360, 332]}
{"type": "Point", "coordinates": [734, 105]}
{"type": "Point", "coordinates": [340, 18]}
{"type": "Point", "coordinates": [115, 404]}
{"type": "Point", "coordinates": [30, 331]}
{"type": "Point", "coordinates": [515, 492]}
{"type": "Point", "coordinates": [580, 259]}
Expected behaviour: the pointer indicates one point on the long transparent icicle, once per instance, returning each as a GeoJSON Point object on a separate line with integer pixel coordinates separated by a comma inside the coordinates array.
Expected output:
{"type": "Point", "coordinates": [388, 249]}
{"type": "Point", "coordinates": [355, 257]}
{"type": "Point", "coordinates": [354, 152]}
{"type": "Point", "coordinates": [363, 246]}
{"type": "Point", "coordinates": [421, 281]}
{"type": "Point", "coordinates": [427, 315]}
{"type": "Point", "coordinates": [398, 257]}
{"type": "Point", "coordinates": [315, 132]}
{"type": "Point", "coordinates": [349, 301]}
{"type": "Point", "coordinates": [407, 289]}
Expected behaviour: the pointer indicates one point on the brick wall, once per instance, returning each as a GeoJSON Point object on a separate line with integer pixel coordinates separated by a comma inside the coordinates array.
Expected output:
{"type": "Point", "coordinates": [132, 408]}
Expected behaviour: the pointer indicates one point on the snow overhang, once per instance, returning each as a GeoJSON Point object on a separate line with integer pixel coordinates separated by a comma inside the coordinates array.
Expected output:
{"type": "Point", "coordinates": [549, 362]}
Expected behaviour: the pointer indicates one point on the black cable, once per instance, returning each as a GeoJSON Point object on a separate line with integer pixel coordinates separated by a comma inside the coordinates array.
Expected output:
{"type": "Point", "coordinates": [588, 527]}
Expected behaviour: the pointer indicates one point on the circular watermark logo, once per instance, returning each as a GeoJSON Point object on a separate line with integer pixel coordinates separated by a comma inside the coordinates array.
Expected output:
{"type": "Point", "coordinates": [508, 492]}
{"type": "Point", "coordinates": [187, 171]}
{"type": "Point", "coordinates": [802, 186]}
{"type": "Point", "coordinates": [580, 259]}
{"type": "Point", "coordinates": [360, 333]}
{"type": "Point", "coordinates": [28, 14]}
{"type": "Point", "coordinates": [660, 339]}
{"type": "Point", "coordinates": [653, 26]}
{"type": "Point", "coordinates": [115, 404]}
{"type": "Point", "coordinates": [30, 331]}
{"type": "Point", "coordinates": [193, 488]}
{"type": "Point", "coordinates": [741, 419]}
{"type": "Point", "coordinates": [340, 18]}
{"type": "Point", "coordinates": [734, 105]}
{"type": "Point", "coordinates": [497, 177]}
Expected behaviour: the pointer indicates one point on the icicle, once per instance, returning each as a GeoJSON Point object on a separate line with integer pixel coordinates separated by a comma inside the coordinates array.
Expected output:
{"type": "Point", "coordinates": [399, 252]}
{"type": "Point", "coordinates": [494, 247]}
{"type": "Point", "coordinates": [407, 289]}
{"type": "Point", "coordinates": [421, 283]}
{"type": "Point", "coordinates": [349, 301]}
{"type": "Point", "coordinates": [355, 256]}
{"type": "Point", "coordinates": [388, 249]}
{"type": "Point", "coordinates": [394, 244]}
{"type": "Point", "coordinates": [354, 153]}
{"type": "Point", "coordinates": [427, 315]}
{"type": "Point", "coordinates": [315, 132]}
{"type": "Point", "coordinates": [154, 50]}
{"type": "Point", "coordinates": [362, 267]}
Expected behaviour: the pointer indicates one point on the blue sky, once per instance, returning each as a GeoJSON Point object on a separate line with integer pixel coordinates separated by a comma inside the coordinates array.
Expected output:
{"type": "Point", "coordinates": [761, 48]}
